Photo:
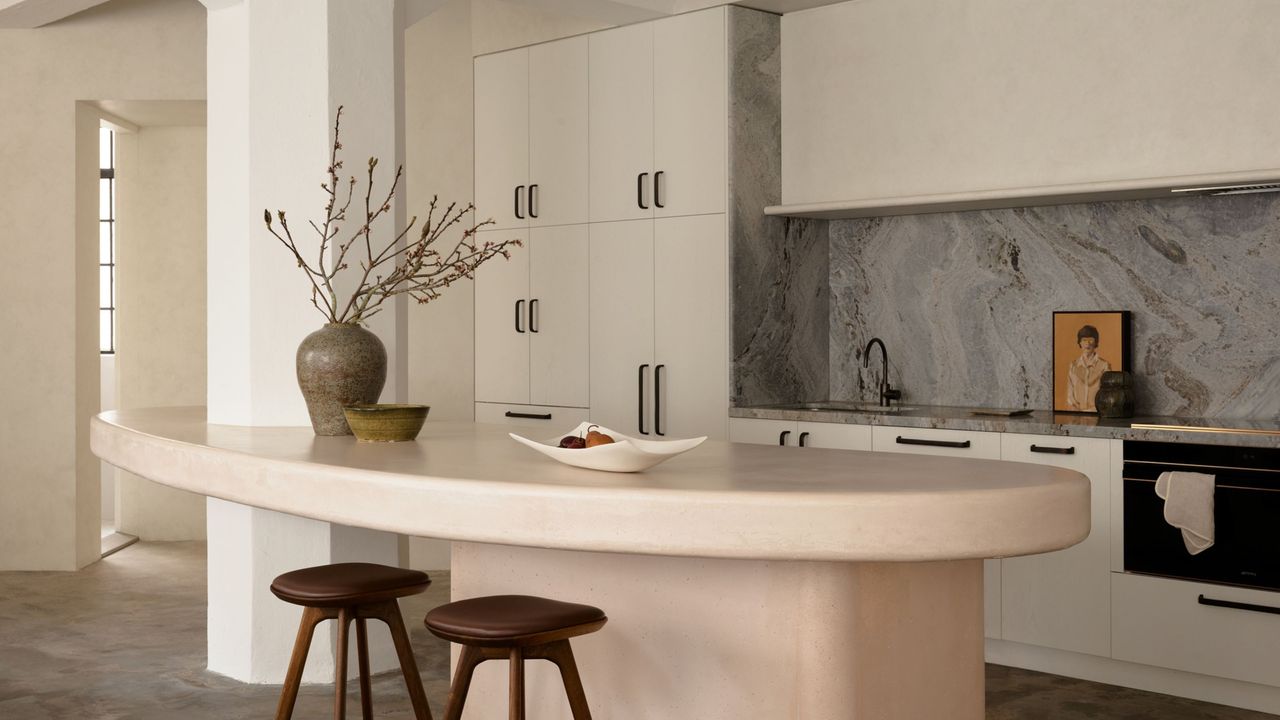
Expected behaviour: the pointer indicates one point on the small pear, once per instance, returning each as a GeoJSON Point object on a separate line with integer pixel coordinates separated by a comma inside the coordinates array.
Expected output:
{"type": "Point", "coordinates": [595, 437]}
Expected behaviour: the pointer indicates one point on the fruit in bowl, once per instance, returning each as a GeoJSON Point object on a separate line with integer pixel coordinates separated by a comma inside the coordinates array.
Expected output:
{"type": "Point", "coordinates": [599, 448]}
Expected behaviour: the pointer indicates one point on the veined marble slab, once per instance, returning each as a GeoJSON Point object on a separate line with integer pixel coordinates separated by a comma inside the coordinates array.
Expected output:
{"type": "Point", "coordinates": [964, 301]}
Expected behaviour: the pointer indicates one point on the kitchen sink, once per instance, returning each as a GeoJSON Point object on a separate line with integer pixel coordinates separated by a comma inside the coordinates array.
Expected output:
{"type": "Point", "coordinates": [844, 406]}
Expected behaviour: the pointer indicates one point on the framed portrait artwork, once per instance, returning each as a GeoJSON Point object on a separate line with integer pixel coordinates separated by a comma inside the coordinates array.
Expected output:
{"type": "Point", "coordinates": [1085, 345]}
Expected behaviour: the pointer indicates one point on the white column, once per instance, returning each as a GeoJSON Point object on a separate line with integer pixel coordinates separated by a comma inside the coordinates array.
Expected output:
{"type": "Point", "coordinates": [278, 70]}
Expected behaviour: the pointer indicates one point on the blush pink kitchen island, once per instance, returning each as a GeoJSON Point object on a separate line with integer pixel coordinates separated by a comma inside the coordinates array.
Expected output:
{"type": "Point", "coordinates": [742, 582]}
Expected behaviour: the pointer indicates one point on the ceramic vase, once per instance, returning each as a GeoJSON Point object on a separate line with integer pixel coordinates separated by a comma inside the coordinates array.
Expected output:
{"type": "Point", "coordinates": [340, 364]}
{"type": "Point", "coordinates": [1115, 395]}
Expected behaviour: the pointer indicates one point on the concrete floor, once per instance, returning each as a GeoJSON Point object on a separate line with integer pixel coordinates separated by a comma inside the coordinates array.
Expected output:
{"type": "Point", "coordinates": [124, 639]}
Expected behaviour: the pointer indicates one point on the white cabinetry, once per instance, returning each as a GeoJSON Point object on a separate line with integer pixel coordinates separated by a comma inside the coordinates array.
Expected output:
{"type": "Point", "coordinates": [531, 320]}
{"type": "Point", "coordinates": [531, 135]}
{"type": "Point", "coordinates": [659, 332]}
{"type": "Point", "coordinates": [658, 114]}
{"type": "Point", "coordinates": [1063, 599]}
{"type": "Point", "coordinates": [954, 443]}
{"type": "Point", "coordinates": [1162, 622]}
{"type": "Point", "coordinates": [800, 434]}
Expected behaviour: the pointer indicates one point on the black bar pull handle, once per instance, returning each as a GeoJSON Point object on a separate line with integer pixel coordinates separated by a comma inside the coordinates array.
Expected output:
{"type": "Point", "coordinates": [1238, 605]}
{"type": "Point", "coordinates": [803, 436]}
{"type": "Point", "coordinates": [657, 399]}
{"type": "Point", "coordinates": [657, 188]}
{"type": "Point", "coordinates": [1053, 450]}
{"type": "Point", "coordinates": [640, 398]}
{"type": "Point", "coordinates": [640, 191]}
{"type": "Point", "coordinates": [517, 202]}
{"type": "Point", "coordinates": [782, 437]}
{"type": "Point", "coordinates": [533, 315]}
{"type": "Point", "coordinates": [528, 416]}
{"type": "Point", "coordinates": [533, 206]}
{"type": "Point", "coordinates": [933, 443]}
{"type": "Point", "coordinates": [519, 302]}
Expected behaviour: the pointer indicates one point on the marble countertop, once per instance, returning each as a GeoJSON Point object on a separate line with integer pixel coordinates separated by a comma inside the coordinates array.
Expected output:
{"type": "Point", "coordinates": [471, 482]}
{"type": "Point", "coordinates": [1217, 431]}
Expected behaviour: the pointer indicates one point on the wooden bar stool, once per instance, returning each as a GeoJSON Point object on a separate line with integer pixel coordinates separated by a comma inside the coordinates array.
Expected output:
{"type": "Point", "coordinates": [515, 628]}
{"type": "Point", "coordinates": [346, 592]}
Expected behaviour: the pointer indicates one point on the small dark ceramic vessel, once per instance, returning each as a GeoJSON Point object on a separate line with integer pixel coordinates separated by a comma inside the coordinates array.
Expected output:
{"type": "Point", "coordinates": [338, 365]}
{"type": "Point", "coordinates": [1115, 395]}
{"type": "Point", "coordinates": [386, 423]}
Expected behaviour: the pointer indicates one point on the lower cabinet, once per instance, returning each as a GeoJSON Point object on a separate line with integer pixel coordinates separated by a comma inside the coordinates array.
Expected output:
{"type": "Point", "coordinates": [1062, 599]}
{"type": "Point", "coordinates": [554, 419]}
{"type": "Point", "coordinates": [1166, 623]}
{"type": "Point", "coordinates": [800, 434]}
{"type": "Point", "coordinates": [952, 443]}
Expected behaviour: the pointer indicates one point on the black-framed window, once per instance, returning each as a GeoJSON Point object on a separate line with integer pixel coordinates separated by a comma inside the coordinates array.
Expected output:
{"type": "Point", "coordinates": [106, 241]}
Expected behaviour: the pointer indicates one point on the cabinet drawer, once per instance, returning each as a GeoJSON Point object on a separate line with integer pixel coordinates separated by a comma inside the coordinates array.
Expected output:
{"type": "Point", "coordinates": [762, 432]}
{"type": "Point", "coordinates": [554, 419]}
{"type": "Point", "coordinates": [832, 435]}
{"type": "Point", "coordinates": [1158, 621]}
{"type": "Point", "coordinates": [932, 441]}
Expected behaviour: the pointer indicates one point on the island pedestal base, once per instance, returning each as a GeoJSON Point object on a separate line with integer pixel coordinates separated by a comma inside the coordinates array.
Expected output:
{"type": "Point", "coordinates": [745, 639]}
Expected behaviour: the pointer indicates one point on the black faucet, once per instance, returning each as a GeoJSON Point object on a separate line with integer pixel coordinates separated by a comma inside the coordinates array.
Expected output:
{"type": "Point", "coordinates": [887, 393]}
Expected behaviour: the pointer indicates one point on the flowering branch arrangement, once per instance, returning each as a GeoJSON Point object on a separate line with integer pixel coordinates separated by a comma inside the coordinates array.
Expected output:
{"type": "Point", "coordinates": [416, 268]}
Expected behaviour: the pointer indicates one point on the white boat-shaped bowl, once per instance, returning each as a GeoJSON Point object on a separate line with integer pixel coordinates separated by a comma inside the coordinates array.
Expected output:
{"type": "Point", "coordinates": [624, 454]}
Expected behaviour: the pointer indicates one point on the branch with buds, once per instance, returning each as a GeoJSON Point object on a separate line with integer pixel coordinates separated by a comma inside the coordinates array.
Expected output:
{"type": "Point", "coordinates": [415, 267]}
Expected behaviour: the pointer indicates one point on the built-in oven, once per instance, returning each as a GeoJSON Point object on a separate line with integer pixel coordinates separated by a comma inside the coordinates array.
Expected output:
{"type": "Point", "coordinates": [1246, 548]}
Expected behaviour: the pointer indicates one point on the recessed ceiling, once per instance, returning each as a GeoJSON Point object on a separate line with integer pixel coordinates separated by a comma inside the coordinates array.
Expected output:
{"type": "Point", "coordinates": [156, 113]}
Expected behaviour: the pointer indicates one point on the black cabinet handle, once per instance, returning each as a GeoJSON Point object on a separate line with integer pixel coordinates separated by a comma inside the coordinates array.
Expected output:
{"type": "Point", "coordinates": [657, 400]}
{"type": "Point", "coordinates": [1238, 605]}
{"type": "Point", "coordinates": [933, 443]}
{"type": "Point", "coordinates": [782, 437]}
{"type": "Point", "coordinates": [533, 206]}
{"type": "Point", "coordinates": [533, 314]}
{"type": "Point", "coordinates": [657, 188]}
{"type": "Point", "coordinates": [803, 436]}
{"type": "Point", "coordinates": [640, 191]}
{"type": "Point", "coordinates": [517, 201]}
{"type": "Point", "coordinates": [1054, 450]}
{"type": "Point", "coordinates": [528, 416]}
{"type": "Point", "coordinates": [518, 315]}
{"type": "Point", "coordinates": [640, 398]}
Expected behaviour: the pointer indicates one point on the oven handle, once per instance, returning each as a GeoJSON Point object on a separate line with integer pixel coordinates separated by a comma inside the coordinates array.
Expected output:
{"type": "Point", "coordinates": [1218, 486]}
{"type": "Point", "coordinates": [1238, 605]}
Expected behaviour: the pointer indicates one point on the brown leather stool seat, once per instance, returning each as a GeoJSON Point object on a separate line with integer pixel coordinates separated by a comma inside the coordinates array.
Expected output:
{"type": "Point", "coordinates": [515, 628]}
{"type": "Point", "coordinates": [346, 592]}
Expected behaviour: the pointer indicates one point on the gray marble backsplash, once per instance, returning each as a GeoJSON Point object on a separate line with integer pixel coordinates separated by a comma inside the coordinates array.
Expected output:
{"type": "Point", "coordinates": [964, 301]}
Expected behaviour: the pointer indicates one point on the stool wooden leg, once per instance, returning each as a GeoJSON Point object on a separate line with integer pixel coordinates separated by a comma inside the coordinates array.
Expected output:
{"type": "Point", "coordinates": [293, 677]}
{"type": "Point", "coordinates": [561, 654]}
{"type": "Point", "coordinates": [467, 662]}
{"type": "Point", "coordinates": [340, 666]}
{"type": "Point", "coordinates": [517, 685]}
{"type": "Point", "coordinates": [389, 613]}
{"type": "Point", "coordinates": [362, 654]}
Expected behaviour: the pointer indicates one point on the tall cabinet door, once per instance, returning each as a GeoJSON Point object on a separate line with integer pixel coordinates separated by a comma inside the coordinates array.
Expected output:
{"type": "Point", "coordinates": [691, 337]}
{"type": "Point", "coordinates": [621, 270]}
{"type": "Point", "coordinates": [502, 317]}
{"type": "Point", "coordinates": [558, 320]}
{"type": "Point", "coordinates": [502, 137]}
{"type": "Point", "coordinates": [690, 85]}
{"type": "Point", "coordinates": [558, 132]}
{"type": "Point", "coordinates": [621, 123]}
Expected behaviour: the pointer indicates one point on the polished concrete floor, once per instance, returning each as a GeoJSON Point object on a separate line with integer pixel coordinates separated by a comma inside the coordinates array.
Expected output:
{"type": "Point", "coordinates": [124, 640]}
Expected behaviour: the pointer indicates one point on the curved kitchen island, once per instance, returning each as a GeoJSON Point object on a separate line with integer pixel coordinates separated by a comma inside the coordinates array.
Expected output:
{"type": "Point", "coordinates": [741, 581]}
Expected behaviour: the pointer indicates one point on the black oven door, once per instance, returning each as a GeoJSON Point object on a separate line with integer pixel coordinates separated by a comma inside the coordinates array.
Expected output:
{"type": "Point", "coordinates": [1246, 549]}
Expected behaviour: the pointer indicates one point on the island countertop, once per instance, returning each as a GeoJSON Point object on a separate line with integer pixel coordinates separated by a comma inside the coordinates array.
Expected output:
{"type": "Point", "coordinates": [471, 482]}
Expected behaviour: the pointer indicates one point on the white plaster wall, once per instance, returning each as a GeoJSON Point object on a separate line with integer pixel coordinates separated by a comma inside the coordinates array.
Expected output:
{"type": "Point", "coordinates": [160, 295]}
{"type": "Point", "coordinates": [439, 161]}
{"type": "Point", "coordinates": [50, 505]}
{"type": "Point", "coordinates": [885, 98]}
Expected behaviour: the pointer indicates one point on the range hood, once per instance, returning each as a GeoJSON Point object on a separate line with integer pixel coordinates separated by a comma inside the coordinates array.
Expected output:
{"type": "Point", "coordinates": [1234, 183]}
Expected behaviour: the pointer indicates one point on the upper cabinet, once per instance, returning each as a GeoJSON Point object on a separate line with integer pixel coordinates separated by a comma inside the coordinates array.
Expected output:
{"type": "Point", "coordinates": [930, 106]}
{"type": "Point", "coordinates": [659, 118]}
{"type": "Point", "coordinates": [531, 135]}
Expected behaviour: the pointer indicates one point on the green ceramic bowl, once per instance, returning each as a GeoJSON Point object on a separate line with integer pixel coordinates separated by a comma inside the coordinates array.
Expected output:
{"type": "Point", "coordinates": [377, 422]}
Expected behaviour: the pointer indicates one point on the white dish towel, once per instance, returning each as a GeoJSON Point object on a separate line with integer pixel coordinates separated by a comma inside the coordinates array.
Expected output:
{"type": "Point", "coordinates": [1188, 506]}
